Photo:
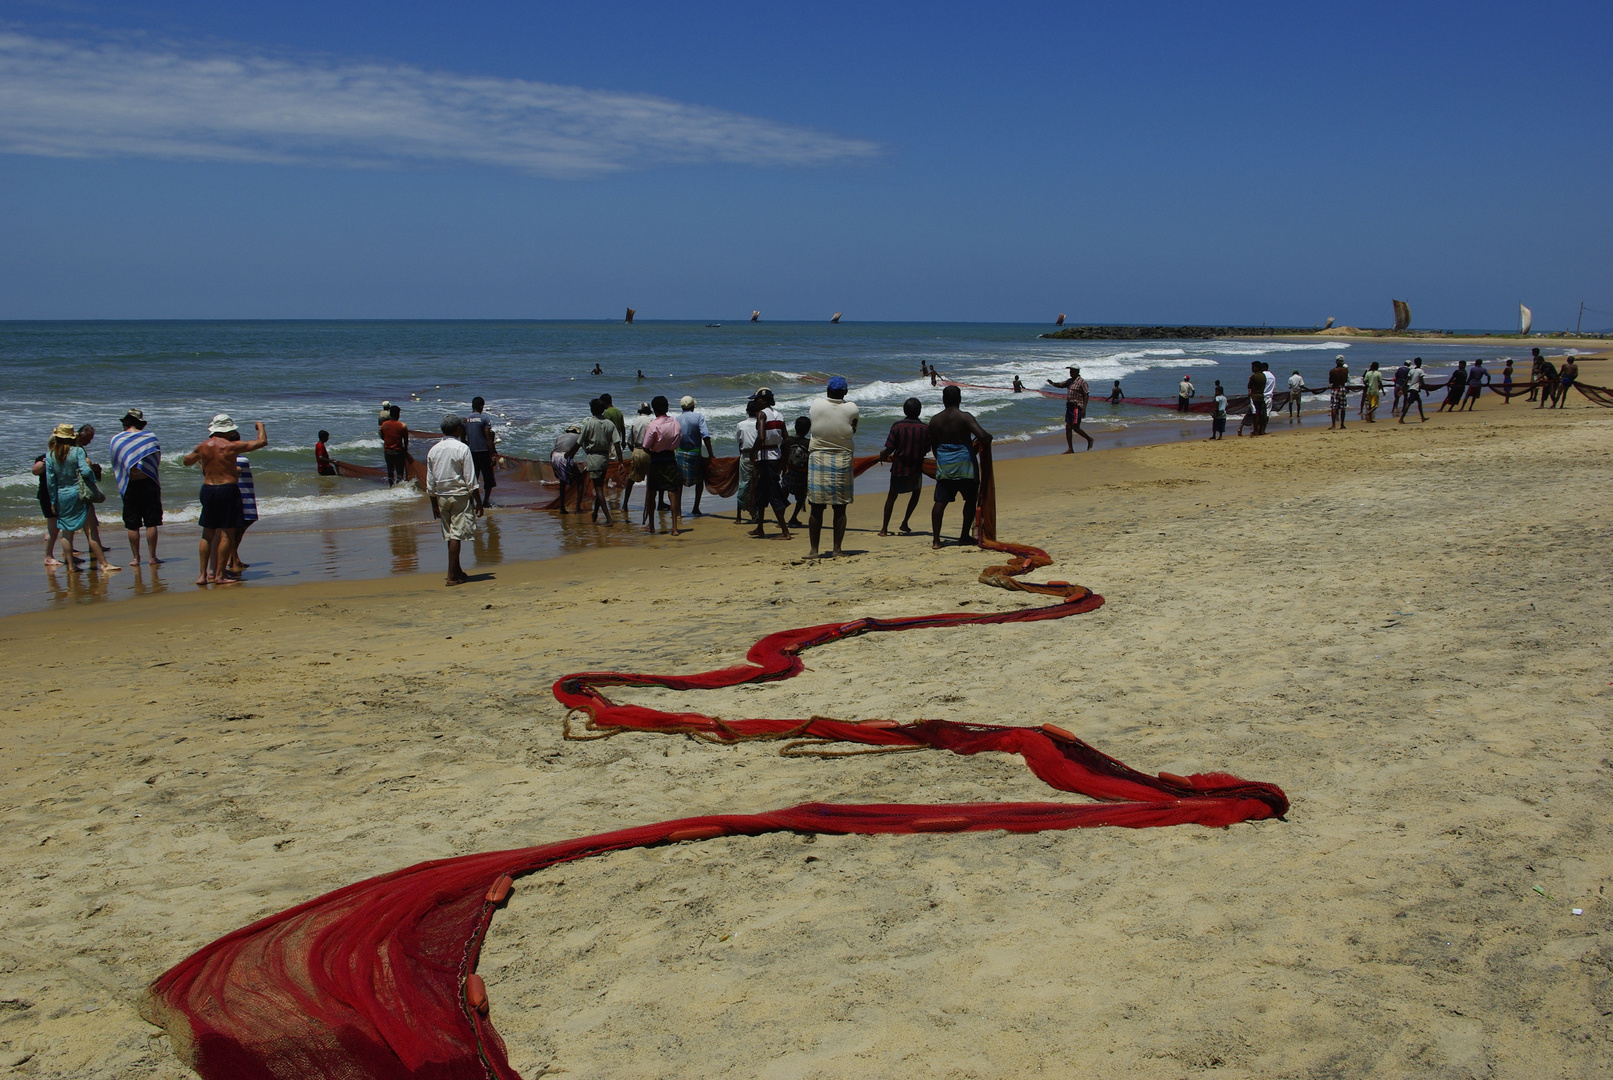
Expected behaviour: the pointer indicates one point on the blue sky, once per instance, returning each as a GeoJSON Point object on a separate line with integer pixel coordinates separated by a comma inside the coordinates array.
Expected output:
{"type": "Point", "coordinates": [1166, 162]}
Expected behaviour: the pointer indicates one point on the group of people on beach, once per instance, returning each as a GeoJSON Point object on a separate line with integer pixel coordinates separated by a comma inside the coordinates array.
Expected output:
{"type": "Point", "coordinates": [70, 491]}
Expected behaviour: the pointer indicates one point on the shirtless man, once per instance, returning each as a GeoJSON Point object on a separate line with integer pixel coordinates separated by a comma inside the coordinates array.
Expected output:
{"type": "Point", "coordinates": [952, 434]}
{"type": "Point", "coordinates": [221, 496]}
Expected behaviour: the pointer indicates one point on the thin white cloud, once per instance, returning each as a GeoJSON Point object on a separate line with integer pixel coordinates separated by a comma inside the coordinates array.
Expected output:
{"type": "Point", "coordinates": [115, 99]}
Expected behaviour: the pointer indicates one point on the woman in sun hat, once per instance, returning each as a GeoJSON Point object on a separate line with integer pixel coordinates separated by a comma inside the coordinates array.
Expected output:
{"type": "Point", "coordinates": [65, 465]}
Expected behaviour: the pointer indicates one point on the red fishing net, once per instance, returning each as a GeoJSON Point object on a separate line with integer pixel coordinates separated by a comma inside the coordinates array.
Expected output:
{"type": "Point", "coordinates": [377, 980]}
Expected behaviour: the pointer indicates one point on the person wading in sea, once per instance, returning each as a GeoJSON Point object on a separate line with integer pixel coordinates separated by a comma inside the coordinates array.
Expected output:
{"type": "Point", "coordinates": [221, 496]}
{"type": "Point", "coordinates": [1076, 395]}
{"type": "Point", "coordinates": [395, 447]}
{"type": "Point", "coordinates": [957, 472]}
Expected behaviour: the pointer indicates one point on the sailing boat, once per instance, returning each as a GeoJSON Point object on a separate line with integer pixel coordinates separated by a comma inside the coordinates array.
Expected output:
{"type": "Point", "coordinates": [1526, 319]}
{"type": "Point", "coordinates": [1330, 321]}
{"type": "Point", "coordinates": [1060, 320]}
{"type": "Point", "coordinates": [836, 318]}
{"type": "Point", "coordinates": [756, 316]}
{"type": "Point", "coordinates": [1402, 314]}
{"type": "Point", "coordinates": [630, 314]}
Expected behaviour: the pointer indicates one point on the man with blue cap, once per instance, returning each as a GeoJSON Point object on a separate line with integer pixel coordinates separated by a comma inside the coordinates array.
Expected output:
{"type": "Point", "coordinates": [829, 480]}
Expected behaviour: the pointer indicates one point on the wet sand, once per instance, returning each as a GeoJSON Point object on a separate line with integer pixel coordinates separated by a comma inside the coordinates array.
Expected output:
{"type": "Point", "coordinates": [1401, 625]}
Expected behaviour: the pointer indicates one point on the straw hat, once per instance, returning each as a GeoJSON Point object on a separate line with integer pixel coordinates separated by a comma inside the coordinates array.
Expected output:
{"type": "Point", "coordinates": [64, 431]}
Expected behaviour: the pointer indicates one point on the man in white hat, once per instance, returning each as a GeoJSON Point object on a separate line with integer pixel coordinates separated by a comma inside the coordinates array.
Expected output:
{"type": "Point", "coordinates": [695, 439]}
{"type": "Point", "coordinates": [221, 496]}
{"type": "Point", "coordinates": [135, 457]}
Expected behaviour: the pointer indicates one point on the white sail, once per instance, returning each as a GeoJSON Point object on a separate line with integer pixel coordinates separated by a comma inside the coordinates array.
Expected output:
{"type": "Point", "coordinates": [1526, 319]}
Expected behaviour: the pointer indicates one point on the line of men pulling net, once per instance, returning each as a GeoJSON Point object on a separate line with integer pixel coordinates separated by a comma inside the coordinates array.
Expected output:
{"type": "Point", "coordinates": [378, 979]}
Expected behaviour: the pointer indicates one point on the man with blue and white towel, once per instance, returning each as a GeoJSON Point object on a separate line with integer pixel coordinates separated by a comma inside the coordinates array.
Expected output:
{"type": "Point", "coordinates": [135, 456]}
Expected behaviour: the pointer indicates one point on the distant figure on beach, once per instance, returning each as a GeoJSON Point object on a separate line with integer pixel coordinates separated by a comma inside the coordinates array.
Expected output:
{"type": "Point", "coordinates": [1536, 372]}
{"type": "Point", "coordinates": [1338, 382]}
{"type": "Point", "coordinates": [662, 436]}
{"type": "Point", "coordinates": [66, 467]}
{"type": "Point", "coordinates": [1116, 396]}
{"type": "Point", "coordinates": [957, 472]}
{"type": "Point", "coordinates": [694, 448]}
{"type": "Point", "coordinates": [135, 457]}
{"type": "Point", "coordinates": [1270, 391]}
{"type": "Point", "coordinates": [566, 445]}
{"type": "Point", "coordinates": [395, 447]}
{"type": "Point", "coordinates": [455, 497]}
{"type": "Point", "coordinates": [1218, 418]}
{"type": "Point", "coordinates": [636, 453]}
{"type": "Point", "coordinates": [249, 507]}
{"type": "Point", "coordinates": [1184, 393]}
{"type": "Point", "coordinates": [796, 456]}
{"type": "Point", "coordinates": [745, 436]}
{"type": "Point", "coordinates": [481, 439]}
{"type": "Point", "coordinates": [1550, 380]}
{"type": "Point", "coordinates": [1019, 387]}
{"type": "Point", "coordinates": [829, 480]}
{"type": "Point", "coordinates": [1506, 383]}
{"type": "Point", "coordinates": [1414, 390]}
{"type": "Point", "coordinates": [767, 484]}
{"type": "Point", "coordinates": [1566, 379]}
{"type": "Point", "coordinates": [221, 496]}
{"type": "Point", "coordinates": [1296, 390]}
{"type": "Point", "coordinates": [906, 447]}
{"type": "Point", "coordinates": [1454, 388]}
{"type": "Point", "coordinates": [1476, 378]}
{"type": "Point", "coordinates": [1076, 396]}
{"type": "Point", "coordinates": [322, 461]}
{"type": "Point", "coordinates": [597, 371]}
{"type": "Point", "coordinates": [1257, 399]}
{"type": "Point", "coordinates": [600, 443]}
{"type": "Point", "coordinates": [1372, 392]}
{"type": "Point", "coordinates": [1402, 378]}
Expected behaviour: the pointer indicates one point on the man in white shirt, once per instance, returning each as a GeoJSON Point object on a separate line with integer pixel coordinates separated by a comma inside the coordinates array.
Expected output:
{"type": "Point", "coordinates": [1185, 393]}
{"type": "Point", "coordinates": [829, 479]}
{"type": "Point", "coordinates": [745, 435]}
{"type": "Point", "coordinates": [1296, 387]}
{"type": "Point", "coordinates": [456, 499]}
{"type": "Point", "coordinates": [767, 476]}
{"type": "Point", "coordinates": [1271, 390]}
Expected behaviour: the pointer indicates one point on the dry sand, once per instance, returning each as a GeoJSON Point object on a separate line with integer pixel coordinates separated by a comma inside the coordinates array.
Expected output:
{"type": "Point", "coordinates": [1405, 627]}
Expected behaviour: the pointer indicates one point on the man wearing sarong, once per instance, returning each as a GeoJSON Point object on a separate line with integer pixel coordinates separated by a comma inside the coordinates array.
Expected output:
{"type": "Point", "coordinates": [1454, 387]}
{"type": "Point", "coordinates": [829, 480]}
{"type": "Point", "coordinates": [600, 442]}
{"type": "Point", "coordinates": [1338, 382]}
{"type": "Point", "coordinates": [953, 433]}
{"type": "Point", "coordinates": [745, 436]}
{"type": "Point", "coordinates": [661, 438]}
{"type": "Point", "coordinates": [767, 483]}
{"type": "Point", "coordinates": [694, 446]}
{"type": "Point", "coordinates": [1372, 392]}
{"type": "Point", "coordinates": [635, 451]}
{"type": "Point", "coordinates": [565, 448]}
{"type": "Point", "coordinates": [906, 447]}
{"type": "Point", "coordinates": [456, 499]}
{"type": "Point", "coordinates": [1476, 378]}
{"type": "Point", "coordinates": [1414, 390]}
{"type": "Point", "coordinates": [1076, 395]}
{"type": "Point", "coordinates": [1185, 393]}
{"type": "Point", "coordinates": [1296, 390]}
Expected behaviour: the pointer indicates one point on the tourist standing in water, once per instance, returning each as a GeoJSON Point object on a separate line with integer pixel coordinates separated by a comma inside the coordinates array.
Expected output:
{"type": "Point", "coordinates": [135, 457]}
{"type": "Point", "coordinates": [829, 476]}
{"type": "Point", "coordinates": [455, 497]}
{"type": "Point", "coordinates": [249, 507]}
{"type": "Point", "coordinates": [906, 447]}
{"type": "Point", "coordinates": [66, 466]}
{"type": "Point", "coordinates": [221, 496]}
{"type": "Point", "coordinates": [1076, 396]}
{"type": "Point", "coordinates": [49, 510]}
{"type": "Point", "coordinates": [957, 471]}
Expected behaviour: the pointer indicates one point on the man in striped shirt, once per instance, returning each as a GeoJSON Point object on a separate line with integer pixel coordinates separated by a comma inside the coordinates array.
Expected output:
{"type": "Point", "coordinates": [135, 456]}
{"type": "Point", "coordinates": [905, 448]}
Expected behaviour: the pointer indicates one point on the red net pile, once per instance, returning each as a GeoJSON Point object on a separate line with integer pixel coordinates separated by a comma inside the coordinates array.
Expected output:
{"type": "Point", "coordinates": [377, 980]}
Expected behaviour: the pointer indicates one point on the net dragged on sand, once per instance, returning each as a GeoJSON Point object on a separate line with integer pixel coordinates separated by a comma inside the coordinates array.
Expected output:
{"type": "Point", "coordinates": [377, 979]}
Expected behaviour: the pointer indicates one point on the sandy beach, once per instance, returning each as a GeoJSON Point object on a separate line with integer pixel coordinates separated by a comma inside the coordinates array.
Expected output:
{"type": "Point", "coordinates": [1403, 626]}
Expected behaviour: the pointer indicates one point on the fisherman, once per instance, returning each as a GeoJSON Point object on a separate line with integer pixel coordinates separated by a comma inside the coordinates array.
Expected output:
{"type": "Point", "coordinates": [661, 438]}
{"type": "Point", "coordinates": [636, 451]}
{"type": "Point", "coordinates": [1019, 387]}
{"type": "Point", "coordinates": [1565, 383]}
{"type": "Point", "coordinates": [1402, 377]}
{"type": "Point", "coordinates": [641, 374]}
{"type": "Point", "coordinates": [1270, 392]}
{"type": "Point", "coordinates": [1414, 390]}
{"type": "Point", "coordinates": [924, 369]}
{"type": "Point", "coordinates": [905, 448]}
{"type": "Point", "coordinates": [1454, 386]}
{"type": "Point", "coordinates": [1076, 396]}
{"type": "Point", "coordinates": [1115, 394]}
{"type": "Point", "coordinates": [600, 442]}
{"type": "Point", "coordinates": [796, 456]}
{"type": "Point", "coordinates": [385, 413]}
{"type": "Point", "coordinates": [1506, 383]}
{"type": "Point", "coordinates": [614, 415]}
{"type": "Point", "coordinates": [1476, 378]}
{"type": "Point", "coordinates": [1549, 383]}
{"type": "Point", "coordinates": [1372, 392]}
{"type": "Point", "coordinates": [456, 501]}
{"type": "Point", "coordinates": [935, 377]}
{"type": "Point", "coordinates": [322, 461]}
{"type": "Point", "coordinates": [1185, 393]}
{"type": "Point", "coordinates": [695, 438]}
{"type": "Point", "coordinates": [1257, 400]}
{"type": "Point", "coordinates": [953, 433]}
{"type": "Point", "coordinates": [481, 439]}
{"type": "Point", "coordinates": [395, 447]}
{"type": "Point", "coordinates": [597, 371]}
{"type": "Point", "coordinates": [221, 496]}
{"type": "Point", "coordinates": [565, 448]}
{"type": "Point", "coordinates": [1218, 420]}
{"type": "Point", "coordinates": [766, 479]}
{"type": "Point", "coordinates": [1296, 389]}
{"type": "Point", "coordinates": [1338, 381]}
{"type": "Point", "coordinates": [1536, 372]}
{"type": "Point", "coordinates": [135, 457]}
{"type": "Point", "coordinates": [829, 477]}
{"type": "Point", "coordinates": [745, 436]}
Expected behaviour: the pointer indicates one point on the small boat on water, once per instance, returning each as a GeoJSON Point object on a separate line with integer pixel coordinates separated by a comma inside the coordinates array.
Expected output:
{"type": "Point", "coordinates": [710, 325]}
{"type": "Point", "coordinates": [756, 316]}
{"type": "Point", "coordinates": [630, 314]}
{"type": "Point", "coordinates": [1060, 320]}
{"type": "Point", "coordinates": [836, 318]}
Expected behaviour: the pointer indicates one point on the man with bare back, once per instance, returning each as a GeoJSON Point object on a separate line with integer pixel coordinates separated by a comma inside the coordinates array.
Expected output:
{"type": "Point", "coordinates": [221, 496]}
{"type": "Point", "coordinates": [952, 434]}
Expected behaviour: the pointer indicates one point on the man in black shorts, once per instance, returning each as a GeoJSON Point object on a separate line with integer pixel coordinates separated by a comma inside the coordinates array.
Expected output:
{"type": "Point", "coordinates": [953, 433]}
{"type": "Point", "coordinates": [135, 457]}
{"type": "Point", "coordinates": [481, 440]}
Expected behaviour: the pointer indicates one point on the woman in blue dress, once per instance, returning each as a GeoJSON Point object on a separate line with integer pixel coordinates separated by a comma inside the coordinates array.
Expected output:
{"type": "Point", "coordinates": [65, 464]}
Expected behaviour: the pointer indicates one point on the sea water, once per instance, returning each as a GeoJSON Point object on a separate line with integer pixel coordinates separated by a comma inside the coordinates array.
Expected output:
{"type": "Point", "coordinates": [301, 377]}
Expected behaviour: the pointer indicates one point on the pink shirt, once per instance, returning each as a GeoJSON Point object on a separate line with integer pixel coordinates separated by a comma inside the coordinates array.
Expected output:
{"type": "Point", "coordinates": [663, 433]}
